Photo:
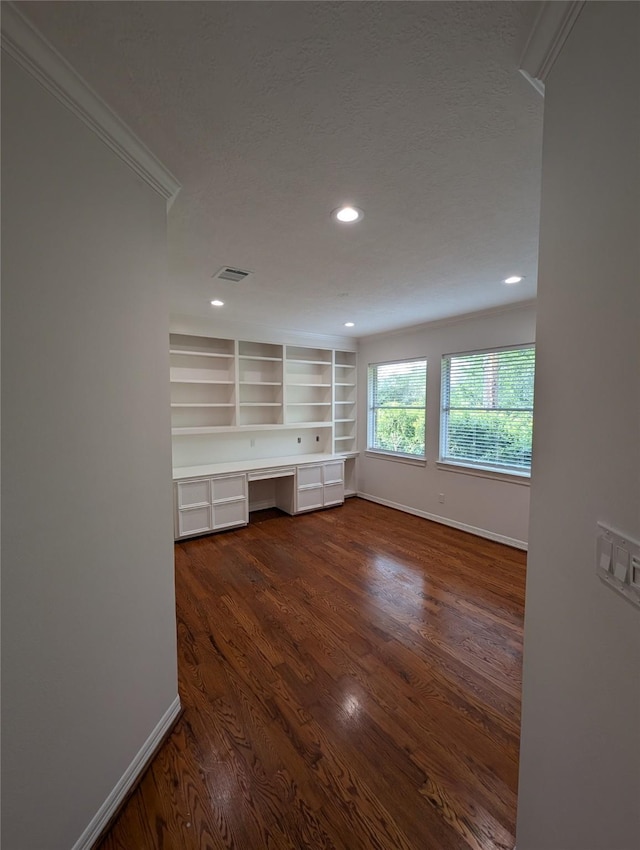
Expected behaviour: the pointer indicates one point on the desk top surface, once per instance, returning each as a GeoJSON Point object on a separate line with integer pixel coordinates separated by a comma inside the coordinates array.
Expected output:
{"type": "Point", "coordinates": [180, 472]}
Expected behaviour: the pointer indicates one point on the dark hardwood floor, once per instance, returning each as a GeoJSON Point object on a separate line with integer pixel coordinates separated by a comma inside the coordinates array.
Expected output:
{"type": "Point", "coordinates": [350, 680]}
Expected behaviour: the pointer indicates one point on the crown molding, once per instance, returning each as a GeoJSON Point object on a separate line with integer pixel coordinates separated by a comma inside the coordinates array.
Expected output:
{"type": "Point", "coordinates": [550, 31]}
{"type": "Point", "coordinates": [33, 53]}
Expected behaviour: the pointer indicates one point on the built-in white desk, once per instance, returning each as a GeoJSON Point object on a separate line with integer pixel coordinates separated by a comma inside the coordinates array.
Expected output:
{"type": "Point", "coordinates": [214, 497]}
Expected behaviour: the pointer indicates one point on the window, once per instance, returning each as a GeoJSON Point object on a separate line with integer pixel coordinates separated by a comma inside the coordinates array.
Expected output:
{"type": "Point", "coordinates": [397, 399]}
{"type": "Point", "coordinates": [487, 409]}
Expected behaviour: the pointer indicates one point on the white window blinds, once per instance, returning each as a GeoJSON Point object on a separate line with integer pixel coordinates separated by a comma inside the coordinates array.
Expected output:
{"type": "Point", "coordinates": [397, 399]}
{"type": "Point", "coordinates": [487, 408]}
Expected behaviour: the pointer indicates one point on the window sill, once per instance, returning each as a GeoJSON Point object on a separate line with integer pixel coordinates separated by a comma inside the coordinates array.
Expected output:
{"type": "Point", "coordinates": [509, 477]}
{"type": "Point", "coordinates": [412, 461]}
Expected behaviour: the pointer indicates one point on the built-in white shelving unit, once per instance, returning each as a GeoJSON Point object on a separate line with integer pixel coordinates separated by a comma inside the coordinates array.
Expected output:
{"type": "Point", "coordinates": [259, 384]}
{"type": "Point", "coordinates": [203, 382]}
{"type": "Point", "coordinates": [344, 400]}
{"type": "Point", "coordinates": [225, 387]}
{"type": "Point", "coordinates": [308, 384]}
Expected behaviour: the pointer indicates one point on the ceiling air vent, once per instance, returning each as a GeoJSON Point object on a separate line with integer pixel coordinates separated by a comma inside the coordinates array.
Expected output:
{"type": "Point", "coordinates": [229, 273]}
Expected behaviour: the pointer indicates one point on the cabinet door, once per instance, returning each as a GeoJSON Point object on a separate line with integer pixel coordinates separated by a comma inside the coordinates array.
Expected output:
{"type": "Point", "coordinates": [334, 472]}
{"type": "Point", "coordinates": [309, 499]}
{"type": "Point", "coordinates": [228, 514]}
{"type": "Point", "coordinates": [194, 521]}
{"type": "Point", "coordinates": [193, 493]}
{"type": "Point", "coordinates": [310, 476]}
{"type": "Point", "coordinates": [333, 494]}
{"type": "Point", "coordinates": [228, 487]}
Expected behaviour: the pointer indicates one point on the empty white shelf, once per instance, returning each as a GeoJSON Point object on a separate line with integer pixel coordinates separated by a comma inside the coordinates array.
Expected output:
{"type": "Point", "coordinates": [188, 353]}
{"type": "Point", "coordinates": [197, 381]}
{"type": "Point", "coordinates": [260, 383]}
{"type": "Point", "coordinates": [258, 357]}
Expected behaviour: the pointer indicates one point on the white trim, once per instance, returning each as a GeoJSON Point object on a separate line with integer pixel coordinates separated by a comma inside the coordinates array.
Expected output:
{"type": "Point", "coordinates": [494, 349]}
{"type": "Point", "coordinates": [550, 31]}
{"type": "Point", "coordinates": [461, 526]}
{"type": "Point", "coordinates": [33, 53]}
{"type": "Point", "coordinates": [507, 476]}
{"type": "Point", "coordinates": [128, 779]}
{"type": "Point", "coordinates": [380, 455]}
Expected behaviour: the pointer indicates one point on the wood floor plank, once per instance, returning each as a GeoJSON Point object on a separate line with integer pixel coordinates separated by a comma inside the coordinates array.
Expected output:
{"type": "Point", "coordinates": [350, 681]}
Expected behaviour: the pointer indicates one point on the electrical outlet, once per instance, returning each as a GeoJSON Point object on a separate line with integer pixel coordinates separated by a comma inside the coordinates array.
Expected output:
{"type": "Point", "coordinates": [299, 439]}
{"type": "Point", "coordinates": [441, 498]}
{"type": "Point", "coordinates": [317, 439]}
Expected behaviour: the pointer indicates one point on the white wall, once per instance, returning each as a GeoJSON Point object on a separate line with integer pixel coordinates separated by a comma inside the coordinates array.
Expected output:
{"type": "Point", "coordinates": [580, 757]}
{"type": "Point", "coordinates": [89, 647]}
{"type": "Point", "coordinates": [496, 507]}
{"type": "Point", "coordinates": [194, 450]}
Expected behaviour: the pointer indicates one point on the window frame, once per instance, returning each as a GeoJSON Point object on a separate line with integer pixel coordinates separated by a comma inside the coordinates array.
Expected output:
{"type": "Point", "coordinates": [389, 454]}
{"type": "Point", "coordinates": [503, 471]}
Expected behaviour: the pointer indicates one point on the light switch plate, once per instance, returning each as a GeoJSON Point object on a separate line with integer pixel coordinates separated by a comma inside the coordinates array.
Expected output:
{"type": "Point", "coordinates": [605, 553]}
{"type": "Point", "coordinates": [635, 571]}
{"type": "Point", "coordinates": [618, 562]}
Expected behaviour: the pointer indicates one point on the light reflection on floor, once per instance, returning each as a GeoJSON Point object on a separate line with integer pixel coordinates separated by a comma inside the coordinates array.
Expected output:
{"type": "Point", "coordinates": [351, 706]}
{"type": "Point", "coordinates": [422, 601]}
{"type": "Point", "coordinates": [412, 580]}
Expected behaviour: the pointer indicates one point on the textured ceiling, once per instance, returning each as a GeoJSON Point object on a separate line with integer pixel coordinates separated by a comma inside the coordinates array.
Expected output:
{"type": "Point", "coordinates": [272, 114]}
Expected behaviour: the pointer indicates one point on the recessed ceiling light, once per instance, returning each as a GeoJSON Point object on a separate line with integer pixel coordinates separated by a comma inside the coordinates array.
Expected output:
{"type": "Point", "coordinates": [348, 214]}
{"type": "Point", "coordinates": [217, 303]}
{"type": "Point", "coordinates": [349, 324]}
{"type": "Point", "coordinates": [513, 279]}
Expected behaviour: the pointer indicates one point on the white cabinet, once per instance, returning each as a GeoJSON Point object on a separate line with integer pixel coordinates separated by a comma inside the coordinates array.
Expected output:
{"type": "Point", "coordinates": [230, 514]}
{"type": "Point", "coordinates": [210, 504]}
{"type": "Point", "coordinates": [193, 521]}
{"type": "Point", "coordinates": [193, 493]}
{"type": "Point", "coordinates": [319, 485]}
{"type": "Point", "coordinates": [310, 476]}
{"type": "Point", "coordinates": [309, 499]}
{"type": "Point", "coordinates": [228, 488]}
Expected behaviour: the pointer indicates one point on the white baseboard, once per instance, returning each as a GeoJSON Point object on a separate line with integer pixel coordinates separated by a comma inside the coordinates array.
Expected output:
{"type": "Point", "coordinates": [128, 778]}
{"type": "Point", "coordinates": [462, 526]}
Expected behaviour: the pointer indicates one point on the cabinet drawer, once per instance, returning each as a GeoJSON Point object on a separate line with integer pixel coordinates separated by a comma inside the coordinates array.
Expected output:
{"type": "Point", "coordinates": [334, 472]}
{"type": "Point", "coordinates": [194, 521]}
{"type": "Point", "coordinates": [228, 487]}
{"type": "Point", "coordinates": [278, 472]}
{"type": "Point", "coordinates": [333, 494]}
{"type": "Point", "coordinates": [192, 493]}
{"type": "Point", "coordinates": [309, 499]}
{"type": "Point", "coordinates": [309, 476]}
{"type": "Point", "coordinates": [228, 514]}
